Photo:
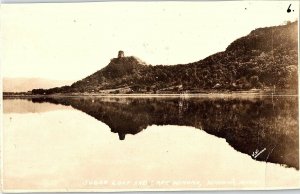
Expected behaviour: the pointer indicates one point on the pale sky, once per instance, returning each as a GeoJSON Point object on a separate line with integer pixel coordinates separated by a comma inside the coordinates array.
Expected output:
{"type": "Point", "coordinates": [71, 41]}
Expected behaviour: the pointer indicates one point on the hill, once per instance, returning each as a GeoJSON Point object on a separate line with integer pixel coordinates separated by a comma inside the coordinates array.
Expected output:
{"type": "Point", "coordinates": [26, 84]}
{"type": "Point", "coordinates": [273, 122]}
{"type": "Point", "coordinates": [266, 58]}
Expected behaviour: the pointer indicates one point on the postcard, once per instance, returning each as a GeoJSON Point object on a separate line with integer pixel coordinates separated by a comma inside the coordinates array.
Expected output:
{"type": "Point", "coordinates": [149, 96]}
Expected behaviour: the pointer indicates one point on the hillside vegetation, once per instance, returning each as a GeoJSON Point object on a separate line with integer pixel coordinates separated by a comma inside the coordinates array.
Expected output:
{"type": "Point", "coordinates": [266, 58]}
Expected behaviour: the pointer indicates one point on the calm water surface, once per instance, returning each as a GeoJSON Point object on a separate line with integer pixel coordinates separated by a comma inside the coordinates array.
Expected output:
{"type": "Point", "coordinates": [130, 143]}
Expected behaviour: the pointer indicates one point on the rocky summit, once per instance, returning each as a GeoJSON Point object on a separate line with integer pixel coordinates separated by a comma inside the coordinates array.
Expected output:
{"type": "Point", "coordinates": [266, 58]}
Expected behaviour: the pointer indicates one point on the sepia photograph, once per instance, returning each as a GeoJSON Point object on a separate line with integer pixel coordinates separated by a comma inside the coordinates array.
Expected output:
{"type": "Point", "coordinates": [149, 96]}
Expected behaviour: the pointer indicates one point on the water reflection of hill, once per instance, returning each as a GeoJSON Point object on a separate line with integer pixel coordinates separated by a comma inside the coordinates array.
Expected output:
{"type": "Point", "coordinates": [247, 125]}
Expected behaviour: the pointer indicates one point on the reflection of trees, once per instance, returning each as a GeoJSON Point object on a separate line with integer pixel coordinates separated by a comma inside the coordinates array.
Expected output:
{"type": "Point", "coordinates": [246, 125]}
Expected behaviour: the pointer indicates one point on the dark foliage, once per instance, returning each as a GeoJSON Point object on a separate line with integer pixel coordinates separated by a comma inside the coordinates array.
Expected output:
{"type": "Point", "coordinates": [266, 58]}
{"type": "Point", "coordinates": [273, 124]}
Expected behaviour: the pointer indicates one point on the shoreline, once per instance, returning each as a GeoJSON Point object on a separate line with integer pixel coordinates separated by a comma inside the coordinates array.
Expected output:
{"type": "Point", "coordinates": [145, 95]}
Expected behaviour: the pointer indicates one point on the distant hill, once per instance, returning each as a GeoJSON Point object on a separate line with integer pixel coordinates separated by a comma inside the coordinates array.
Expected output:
{"type": "Point", "coordinates": [27, 84]}
{"type": "Point", "coordinates": [266, 58]}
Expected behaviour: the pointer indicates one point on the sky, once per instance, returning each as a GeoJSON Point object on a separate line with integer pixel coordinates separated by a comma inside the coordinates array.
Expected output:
{"type": "Point", "coordinates": [69, 41]}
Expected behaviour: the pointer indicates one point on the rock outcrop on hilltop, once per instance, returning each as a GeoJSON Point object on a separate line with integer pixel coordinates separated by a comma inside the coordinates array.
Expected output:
{"type": "Point", "coordinates": [266, 58]}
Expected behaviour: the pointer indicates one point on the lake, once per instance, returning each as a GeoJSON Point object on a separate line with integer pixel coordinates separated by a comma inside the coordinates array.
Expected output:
{"type": "Point", "coordinates": [126, 143]}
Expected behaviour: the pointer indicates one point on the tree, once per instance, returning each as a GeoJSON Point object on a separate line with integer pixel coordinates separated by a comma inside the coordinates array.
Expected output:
{"type": "Point", "coordinates": [254, 81]}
